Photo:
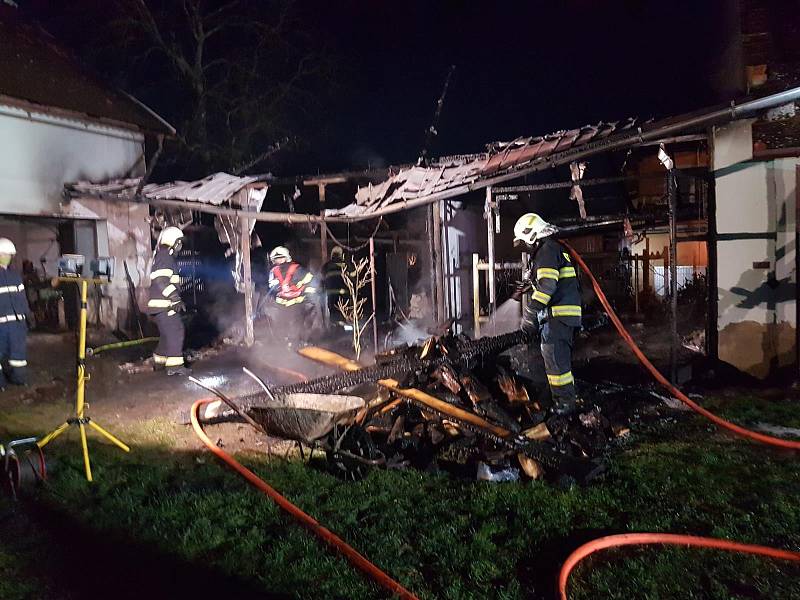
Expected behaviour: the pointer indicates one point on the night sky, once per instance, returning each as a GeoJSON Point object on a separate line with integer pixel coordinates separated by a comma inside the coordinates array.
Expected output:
{"type": "Point", "coordinates": [522, 68]}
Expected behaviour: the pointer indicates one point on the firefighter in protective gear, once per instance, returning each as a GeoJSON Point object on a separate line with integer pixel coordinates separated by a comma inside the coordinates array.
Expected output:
{"type": "Point", "coordinates": [333, 282]}
{"type": "Point", "coordinates": [165, 303]}
{"type": "Point", "coordinates": [290, 286]}
{"type": "Point", "coordinates": [554, 308]}
{"type": "Point", "coordinates": [14, 316]}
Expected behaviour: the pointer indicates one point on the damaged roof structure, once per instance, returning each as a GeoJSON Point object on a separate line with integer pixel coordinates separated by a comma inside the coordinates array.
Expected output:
{"type": "Point", "coordinates": [419, 186]}
{"type": "Point", "coordinates": [506, 161]}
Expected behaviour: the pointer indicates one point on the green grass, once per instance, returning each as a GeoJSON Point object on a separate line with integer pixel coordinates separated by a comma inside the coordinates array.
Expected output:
{"type": "Point", "coordinates": [445, 538]}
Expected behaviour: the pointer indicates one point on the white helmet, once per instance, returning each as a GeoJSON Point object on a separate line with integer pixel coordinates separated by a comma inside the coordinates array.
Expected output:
{"type": "Point", "coordinates": [531, 227]}
{"type": "Point", "coordinates": [279, 252]}
{"type": "Point", "coordinates": [169, 236]}
{"type": "Point", "coordinates": [7, 246]}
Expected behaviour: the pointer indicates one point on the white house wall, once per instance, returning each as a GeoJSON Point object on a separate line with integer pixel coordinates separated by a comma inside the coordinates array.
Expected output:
{"type": "Point", "coordinates": [755, 253]}
{"type": "Point", "coordinates": [39, 153]}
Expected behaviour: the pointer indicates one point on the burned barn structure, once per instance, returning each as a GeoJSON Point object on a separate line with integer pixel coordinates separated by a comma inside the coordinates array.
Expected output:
{"type": "Point", "coordinates": [689, 222]}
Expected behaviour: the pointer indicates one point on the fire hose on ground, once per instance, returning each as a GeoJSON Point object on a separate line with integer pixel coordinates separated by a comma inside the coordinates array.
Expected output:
{"type": "Point", "coordinates": [630, 539]}
{"type": "Point", "coordinates": [583, 551]}
{"type": "Point", "coordinates": [327, 536]}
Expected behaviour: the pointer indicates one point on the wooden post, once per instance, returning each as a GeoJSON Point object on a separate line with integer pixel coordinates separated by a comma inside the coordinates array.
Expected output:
{"type": "Point", "coordinates": [323, 232]}
{"type": "Point", "coordinates": [374, 293]}
{"type": "Point", "coordinates": [646, 266]}
{"type": "Point", "coordinates": [437, 260]}
{"type": "Point", "coordinates": [249, 334]}
{"type": "Point", "coordinates": [476, 297]}
{"type": "Point", "coordinates": [432, 269]}
{"type": "Point", "coordinates": [489, 213]}
{"type": "Point", "coordinates": [321, 182]}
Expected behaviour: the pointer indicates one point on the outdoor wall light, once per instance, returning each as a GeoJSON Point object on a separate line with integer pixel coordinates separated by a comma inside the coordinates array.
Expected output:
{"type": "Point", "coordinates": [664, 158]}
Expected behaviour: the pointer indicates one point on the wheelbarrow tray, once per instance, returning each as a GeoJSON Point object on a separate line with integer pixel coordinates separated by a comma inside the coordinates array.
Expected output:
{"type": "Point", "coordinates": [306, 417]}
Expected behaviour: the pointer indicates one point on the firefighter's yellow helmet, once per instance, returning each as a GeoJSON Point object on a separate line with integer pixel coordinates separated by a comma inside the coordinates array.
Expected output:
{"type": "Point", "coordinates": [529, 227]}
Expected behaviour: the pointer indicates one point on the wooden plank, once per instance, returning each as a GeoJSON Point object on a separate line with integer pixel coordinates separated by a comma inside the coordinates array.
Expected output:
{"type": "Point", "coordinates": [249, 334]}
{"type": "Point", "coordinates": [334, 359]}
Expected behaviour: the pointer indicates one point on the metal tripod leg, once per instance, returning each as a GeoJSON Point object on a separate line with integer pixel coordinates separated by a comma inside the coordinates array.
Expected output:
{"type": "Point", "coordinates": [52, 435]}
{"type": "Point", "coordinates": [86, 464]}
{"type": "Point", "coordinates": [110, 437]}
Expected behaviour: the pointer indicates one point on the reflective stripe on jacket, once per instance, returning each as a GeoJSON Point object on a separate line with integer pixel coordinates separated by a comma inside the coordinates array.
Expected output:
{"type": "Point", "coordinates": [556, 287]}
{"type": "Point", "coordinates": [13, 301]}
{"type": "Point", "coordinates": [164, 292]}
{"type": "Point", "coordinates": [289, 283]}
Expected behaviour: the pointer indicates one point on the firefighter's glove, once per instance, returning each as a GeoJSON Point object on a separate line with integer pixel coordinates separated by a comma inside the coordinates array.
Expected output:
{"type": "Point", "coordinates": [531, 328]}
{"type": "Point", "coordinates": [519, 289]}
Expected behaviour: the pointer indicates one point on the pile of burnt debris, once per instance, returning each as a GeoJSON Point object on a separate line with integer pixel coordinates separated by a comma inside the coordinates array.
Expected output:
{"type": "Point", "coordinates": [467, 407]}
{"type": "Point", "coordinates": [514, 434]}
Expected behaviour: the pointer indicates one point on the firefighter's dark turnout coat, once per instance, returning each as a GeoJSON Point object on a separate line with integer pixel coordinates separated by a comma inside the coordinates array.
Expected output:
{"type": "Point", "coordinates": [14, 312]}
{"type": "Point", "coordinates": [164, 303]}
{"type": "Point", "coordinates": [555, 304]}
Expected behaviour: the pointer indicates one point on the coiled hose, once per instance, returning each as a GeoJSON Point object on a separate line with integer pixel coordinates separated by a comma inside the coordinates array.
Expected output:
{"type": "Point", "coordinates": [327, 536]}
{"type": "Point", "coordinates": [668, 538]}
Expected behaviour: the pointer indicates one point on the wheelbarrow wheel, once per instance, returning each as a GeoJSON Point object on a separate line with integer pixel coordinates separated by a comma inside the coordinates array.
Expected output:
{"type": "Point", "coordinates": [352, 441]}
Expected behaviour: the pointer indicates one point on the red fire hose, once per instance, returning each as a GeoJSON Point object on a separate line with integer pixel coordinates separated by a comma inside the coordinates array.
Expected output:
{"type": "Point", "coordinates": [631, 539]}
{"type": "Point", "coordinates": [738, 430]}
{"type": "Point", "coordinates": [334, 541]}
{"type": "Point", "coordinates": [668, 538]}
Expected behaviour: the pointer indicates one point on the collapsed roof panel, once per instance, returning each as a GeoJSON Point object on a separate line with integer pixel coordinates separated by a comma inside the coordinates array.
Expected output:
{"type": "Point", "coordinates": [503, 157]}
{"type": "Point", "coordinates": [215, 189]}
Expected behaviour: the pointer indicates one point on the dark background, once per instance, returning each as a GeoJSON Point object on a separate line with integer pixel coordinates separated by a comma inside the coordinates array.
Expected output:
{"type": "Point", "coordinates": [522, 68]}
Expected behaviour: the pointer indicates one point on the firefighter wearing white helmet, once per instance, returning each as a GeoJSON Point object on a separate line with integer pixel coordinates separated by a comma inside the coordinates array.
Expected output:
{"type": "Point", "coordinates": [14, 316]}
{"type": "Point", "coordinates": [554, 308]}
{"type": "Point", "coordinates": [291, 287]}
{"type": "Point", "coordinates": [165, 303]}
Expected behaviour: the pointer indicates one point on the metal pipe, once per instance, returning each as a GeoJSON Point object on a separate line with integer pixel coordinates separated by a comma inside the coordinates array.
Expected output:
{"type": "Point", "coordinates": [673, 274]}
{"type": "Point", "coordinates": [489, 212]}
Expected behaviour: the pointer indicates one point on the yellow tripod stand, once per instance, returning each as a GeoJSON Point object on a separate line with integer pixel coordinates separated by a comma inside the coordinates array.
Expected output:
{"type": "Point", "coordinates": [81, 419]}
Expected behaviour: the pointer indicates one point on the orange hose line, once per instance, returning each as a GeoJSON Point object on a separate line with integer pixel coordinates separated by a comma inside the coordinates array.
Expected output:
{"type": "Point", "coordinates": [631, 539]}
{"type": "Point", "coordinates": [736, 429]}
{"type": "Point", "coordinates": [327, 536]}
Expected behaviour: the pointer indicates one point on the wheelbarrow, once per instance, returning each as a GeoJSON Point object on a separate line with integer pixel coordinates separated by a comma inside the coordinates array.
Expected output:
{"type": "Point", "coordinates": [319, 421]}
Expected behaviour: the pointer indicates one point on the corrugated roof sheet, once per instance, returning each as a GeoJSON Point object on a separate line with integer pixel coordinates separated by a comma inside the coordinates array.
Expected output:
{"type": "Point", "coordinates": [502, 158]}
{"type": "Point", "coordinates": [214, 189]}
